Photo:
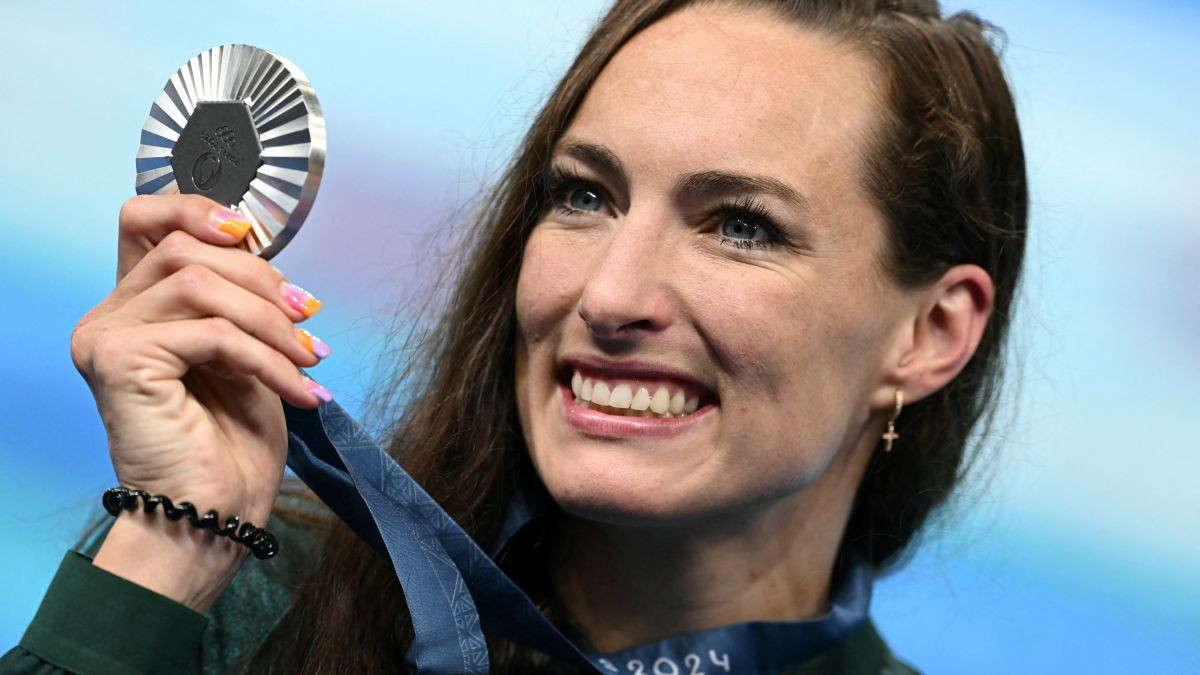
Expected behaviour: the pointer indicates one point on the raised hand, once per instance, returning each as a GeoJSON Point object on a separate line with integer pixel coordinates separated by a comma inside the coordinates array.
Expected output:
{"type": "Point", "coordinates": [188, 359]}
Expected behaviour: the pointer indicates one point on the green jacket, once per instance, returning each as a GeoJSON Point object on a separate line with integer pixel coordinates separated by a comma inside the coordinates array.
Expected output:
{"type": "Point", "coordinates": [91, 621]}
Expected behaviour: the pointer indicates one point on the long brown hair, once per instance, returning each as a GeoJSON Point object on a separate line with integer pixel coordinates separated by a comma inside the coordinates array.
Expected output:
{"type": "Point", "coordinates": [947, 171]}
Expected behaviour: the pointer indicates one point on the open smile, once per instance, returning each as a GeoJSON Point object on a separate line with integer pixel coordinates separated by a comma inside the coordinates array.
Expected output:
{"type": "Point", "coordinates": [631, 399]}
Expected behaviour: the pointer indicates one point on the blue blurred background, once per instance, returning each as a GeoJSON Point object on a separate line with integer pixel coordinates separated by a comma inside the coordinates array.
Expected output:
{"type": "Point", "coordinates": [1076, 546]}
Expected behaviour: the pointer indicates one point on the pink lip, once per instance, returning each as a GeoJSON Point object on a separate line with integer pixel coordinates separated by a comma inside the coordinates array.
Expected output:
{"type": "Point", "coordinates": [595, 423]}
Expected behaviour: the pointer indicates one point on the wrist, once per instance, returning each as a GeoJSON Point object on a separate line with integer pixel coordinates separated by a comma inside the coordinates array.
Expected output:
{"type": "Point", "coordinates": [172, 558]}
{"type": "Point", "coordinates": [262, 543]}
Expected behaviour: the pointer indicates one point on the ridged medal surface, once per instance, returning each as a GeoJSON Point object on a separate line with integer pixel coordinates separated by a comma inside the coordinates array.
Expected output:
{"type": "Point", "coordinates": [286, 117]}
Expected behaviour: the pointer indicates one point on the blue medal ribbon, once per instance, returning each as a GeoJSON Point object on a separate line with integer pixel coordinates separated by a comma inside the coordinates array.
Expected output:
{"type": "Point", "coordinates": [456, 593]}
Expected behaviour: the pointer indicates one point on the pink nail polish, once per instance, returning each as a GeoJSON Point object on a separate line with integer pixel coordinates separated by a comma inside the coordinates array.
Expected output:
{"type": "Point", "coordinates": [231, 222]}
{"type": "Point", "coordinates": [313, 343]}
{"type": "Point", "coordinates": [300, 300]}
{"type": "Point", "coordinates": [317, 390]}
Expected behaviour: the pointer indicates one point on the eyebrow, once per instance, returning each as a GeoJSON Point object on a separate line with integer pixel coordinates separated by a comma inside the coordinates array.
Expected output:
{"type": "Point", "coordinates": [701, 182]}
{"type": "Point", "coordinates": [724, 182]}
{"type": "Point", "coordinates": [597, 155]}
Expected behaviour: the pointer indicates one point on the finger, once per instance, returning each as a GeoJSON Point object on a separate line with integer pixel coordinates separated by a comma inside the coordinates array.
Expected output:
{"type": "Point", "coordinates": [146, 220]}
{"type": "Point", "coordinates": [197, 291]}
{"type": "Point", "coordinates": [164, 352]}
{"type": "Point", "coordinates": [180, 250]}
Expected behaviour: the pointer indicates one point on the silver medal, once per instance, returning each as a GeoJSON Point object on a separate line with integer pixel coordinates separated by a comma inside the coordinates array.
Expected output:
{"type": "Point", "coordinates": [241, 126]}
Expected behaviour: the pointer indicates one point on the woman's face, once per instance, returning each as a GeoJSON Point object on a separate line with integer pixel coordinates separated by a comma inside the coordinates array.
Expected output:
{"type": "Point", "coordinates": [708, 241]}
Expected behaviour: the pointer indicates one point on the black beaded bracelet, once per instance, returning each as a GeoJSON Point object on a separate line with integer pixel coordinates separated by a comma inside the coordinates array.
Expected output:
{"type": "Point", "coordinates": [262, 543]}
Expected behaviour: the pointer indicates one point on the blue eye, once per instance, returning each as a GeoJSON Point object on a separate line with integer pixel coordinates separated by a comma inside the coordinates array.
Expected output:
{"type": "Point", "coordinates": [740, 227]}
{"type": "Point", "coordinates": [584, 199]}
{"type": "Point", "coordinates": [570, 194]}
{"type": "Point", "coordinates": [746, 224]}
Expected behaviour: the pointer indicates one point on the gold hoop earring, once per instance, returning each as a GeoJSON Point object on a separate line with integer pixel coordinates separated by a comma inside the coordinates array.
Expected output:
{"type": "Point", "coordinates": [890, 435]}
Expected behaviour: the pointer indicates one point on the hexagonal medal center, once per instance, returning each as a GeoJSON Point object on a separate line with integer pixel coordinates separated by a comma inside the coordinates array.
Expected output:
{"type": "Point", "coordinates": [218, 153]}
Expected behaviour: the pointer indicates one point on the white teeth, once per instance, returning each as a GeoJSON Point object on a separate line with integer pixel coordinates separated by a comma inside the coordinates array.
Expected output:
{"type": "Point", "coordinates": [621, 396]}
{"type": "Point", "coordinates": [661, 401]}
{"type": "Point", "coordinates": [641, 400]}
{"type": "Point", "coordinates": [677, 403]}
{"type": "Point", "coordinates": [690, 406]}
{"type": "Point", "coordinates": [621, 399]}
{"type": "Point", "coordinates": [600, 393]}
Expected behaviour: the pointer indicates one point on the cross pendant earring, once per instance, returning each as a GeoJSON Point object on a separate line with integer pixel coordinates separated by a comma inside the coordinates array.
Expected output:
{"type": "Point", "coordinates": [890, 435]}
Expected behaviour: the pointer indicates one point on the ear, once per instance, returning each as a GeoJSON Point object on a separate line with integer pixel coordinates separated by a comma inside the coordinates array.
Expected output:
{"type": "Point", "coordinates": [943, 334]}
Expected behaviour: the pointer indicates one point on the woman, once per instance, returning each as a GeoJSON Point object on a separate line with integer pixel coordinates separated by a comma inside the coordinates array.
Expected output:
{"type": "Point", "coordinates": [740, 240]}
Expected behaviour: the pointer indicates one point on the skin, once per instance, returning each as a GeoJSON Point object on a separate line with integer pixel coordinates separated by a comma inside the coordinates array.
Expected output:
{"type": "Point", "coordinates": [803, 343]}
{"type": "Point", "coordinates": [189, 355]}
{"type": "Point", "coordinates": [188, 358]}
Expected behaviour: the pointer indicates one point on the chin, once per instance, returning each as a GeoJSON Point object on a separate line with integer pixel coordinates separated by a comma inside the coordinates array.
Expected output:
{"type": "Point", "coordinates": [607, 488]}
{"type": "Point", "coordinates": [618, 508]}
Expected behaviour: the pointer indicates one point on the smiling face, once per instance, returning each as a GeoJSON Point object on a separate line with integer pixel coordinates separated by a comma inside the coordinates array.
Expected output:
{"type": "Point", "coordinates": [708, 245]}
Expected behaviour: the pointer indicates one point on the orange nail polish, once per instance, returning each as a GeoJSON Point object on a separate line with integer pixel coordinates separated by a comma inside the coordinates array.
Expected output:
{"type": "Point", "coordinates": [313, 343]}
{"type": "Point", "coordinates": [300, 300]}
{"type": "Point", "coordinates": [231, 222]}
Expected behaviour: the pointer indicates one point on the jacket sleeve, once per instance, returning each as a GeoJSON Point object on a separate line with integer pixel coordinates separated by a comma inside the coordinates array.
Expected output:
{"type": "Point", "coordinates": [92, 621]}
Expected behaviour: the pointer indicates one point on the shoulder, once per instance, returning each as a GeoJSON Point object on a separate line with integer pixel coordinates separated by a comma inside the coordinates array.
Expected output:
{"type": "Point", "coordinates": [863, 652]}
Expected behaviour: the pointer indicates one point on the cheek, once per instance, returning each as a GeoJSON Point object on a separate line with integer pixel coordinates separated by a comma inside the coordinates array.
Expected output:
{"type": "Point", "coordinates": [799, 357]}
{"type": "Point", "coordinates": [546, 290]}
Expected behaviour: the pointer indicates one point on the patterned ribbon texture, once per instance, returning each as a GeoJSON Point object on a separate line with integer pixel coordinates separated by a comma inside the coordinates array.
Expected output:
{"type": "Point", "coordinates": [456, 593]}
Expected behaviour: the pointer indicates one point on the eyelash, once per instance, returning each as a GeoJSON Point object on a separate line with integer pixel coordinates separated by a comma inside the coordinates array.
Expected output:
{"type": "Point", "coordinates": [561, 181]}
{"type": "Point", "coordinates": [754, 212]}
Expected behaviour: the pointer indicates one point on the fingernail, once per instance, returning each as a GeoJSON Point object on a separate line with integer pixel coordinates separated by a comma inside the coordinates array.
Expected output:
{"type": "Point", "coordinates": [317, 390]}
{"type": "Point", "coordinates": [231, 222]}
{"type": "Point", "coordinates": [313, 343]}
{"type": "Point", "coordinates": [300, 300]}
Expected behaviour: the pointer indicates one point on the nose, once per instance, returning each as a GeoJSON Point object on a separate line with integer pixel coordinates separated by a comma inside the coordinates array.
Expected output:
{"type": "Point", "coordinates": [627, 295]}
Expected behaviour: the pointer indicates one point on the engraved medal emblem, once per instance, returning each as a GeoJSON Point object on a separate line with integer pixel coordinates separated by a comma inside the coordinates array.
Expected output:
{"type": "Point", "coordinates": [243, 127]}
